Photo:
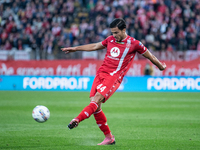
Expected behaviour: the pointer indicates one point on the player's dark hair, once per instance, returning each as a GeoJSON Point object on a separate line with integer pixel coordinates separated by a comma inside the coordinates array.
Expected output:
{"type": "Point", "coordinates": [120, 23]}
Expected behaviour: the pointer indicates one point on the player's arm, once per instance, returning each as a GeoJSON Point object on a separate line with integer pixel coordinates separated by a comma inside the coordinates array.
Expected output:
{"type": "Point", "coordinates": [154, 60]}
{"type": "Point", "coordinates": [88, 47]}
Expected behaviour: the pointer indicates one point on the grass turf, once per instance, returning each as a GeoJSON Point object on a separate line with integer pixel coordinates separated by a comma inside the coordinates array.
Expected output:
{"type": "Point", "coordinates": [139, 121]}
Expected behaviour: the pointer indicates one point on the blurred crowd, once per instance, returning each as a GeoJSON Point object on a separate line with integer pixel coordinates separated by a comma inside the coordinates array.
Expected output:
{"type": "Point", "coordinates": [45, 26]}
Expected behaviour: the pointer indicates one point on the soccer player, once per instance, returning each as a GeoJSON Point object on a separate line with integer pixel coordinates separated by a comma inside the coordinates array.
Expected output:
{"type": "Point", "coordinates": [121, 49]}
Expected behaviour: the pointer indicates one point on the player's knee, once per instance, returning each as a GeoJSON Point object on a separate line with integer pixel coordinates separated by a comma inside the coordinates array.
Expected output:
{"type": "Point", "coordinates": [98, 98]}
{"type": "Point", "coordinates": [99, 108]}
{"type": "Point", "coordinates": [91, 98]}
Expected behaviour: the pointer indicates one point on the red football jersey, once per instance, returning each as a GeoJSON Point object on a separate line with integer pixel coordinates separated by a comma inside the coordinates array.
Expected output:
{"type": "Point", "coordinates": [120, 55]}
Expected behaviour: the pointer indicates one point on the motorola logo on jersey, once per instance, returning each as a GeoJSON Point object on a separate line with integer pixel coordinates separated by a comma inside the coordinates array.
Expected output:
{"type": "Point", "coordinates": [114, 52]}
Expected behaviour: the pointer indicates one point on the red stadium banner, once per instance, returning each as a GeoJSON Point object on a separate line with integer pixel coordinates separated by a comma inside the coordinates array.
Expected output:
{"type": "Point", "coordinates": [89, 67]}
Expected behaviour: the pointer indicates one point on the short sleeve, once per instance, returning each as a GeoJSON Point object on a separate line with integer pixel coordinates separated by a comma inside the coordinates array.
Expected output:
{"type": "Point", "coordinates": [105, 42]}
{"type": "Point", "coordinates": [140, 48]}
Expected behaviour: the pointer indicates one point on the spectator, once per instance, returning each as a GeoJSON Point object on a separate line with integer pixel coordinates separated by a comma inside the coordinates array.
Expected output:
{"type": "Point", "coordinates": [7, 45]}
{"type": "Point", "coordinates": [148, 70]}
{"type": "Point", "coordinates": [19, 45]}
{"type": "Point", "coordinates": [56, 30]}
{"type": "Point", "coordinates": [174, 23]}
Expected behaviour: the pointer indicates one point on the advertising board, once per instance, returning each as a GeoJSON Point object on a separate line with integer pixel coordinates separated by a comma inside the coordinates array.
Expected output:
{"type": "Point", "coordinates": [84, 83]}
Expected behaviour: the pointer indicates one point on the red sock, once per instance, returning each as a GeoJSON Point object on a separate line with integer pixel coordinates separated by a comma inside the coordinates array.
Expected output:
{"type": "Point", "coordinates": [101, 121]}
{"type": "Point", "coordinates": [87, 111]}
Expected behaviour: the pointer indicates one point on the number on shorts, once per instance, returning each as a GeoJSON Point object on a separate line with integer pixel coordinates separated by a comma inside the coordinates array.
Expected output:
{"type": "Point", "coordinates": [103, 88]}
{"type": "Point", "coordinates": [98, 87]}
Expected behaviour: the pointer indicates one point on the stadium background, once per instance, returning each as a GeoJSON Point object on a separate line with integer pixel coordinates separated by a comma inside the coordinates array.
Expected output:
{"type": "Point", "coordinates": [156, 110]}
{"type": "Point", "coordinates": [33, 32]}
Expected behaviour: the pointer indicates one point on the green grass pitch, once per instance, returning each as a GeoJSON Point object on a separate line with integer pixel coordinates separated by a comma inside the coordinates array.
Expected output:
{"type": "Point", "coordinates": [139, 121]}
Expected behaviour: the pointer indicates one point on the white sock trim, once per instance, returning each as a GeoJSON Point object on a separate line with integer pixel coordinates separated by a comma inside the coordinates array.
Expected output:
{"type": "Point", "coordinates": [95, 104]}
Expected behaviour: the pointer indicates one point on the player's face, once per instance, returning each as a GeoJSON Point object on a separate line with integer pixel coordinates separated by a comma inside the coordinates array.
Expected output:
{"type": "Point", "coordinates": [118, 34]}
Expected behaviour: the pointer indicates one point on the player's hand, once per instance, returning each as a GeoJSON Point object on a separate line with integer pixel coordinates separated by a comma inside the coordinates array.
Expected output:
{"type": "Point", "coordinates": [163, 66]}
{"type": "Point", "coordinates": [68, 49]}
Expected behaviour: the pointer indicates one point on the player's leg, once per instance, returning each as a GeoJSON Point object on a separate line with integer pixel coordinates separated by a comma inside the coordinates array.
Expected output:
{"type": "Point", "coordinates": [91, 99]}
{"type": "Point", "coordinates": [99, 115]}
{"type": "Point", "coordinates": [101, 120]}
{"type": "Point", "coordinates": [93, 91]}
{"type": "Point", "coordinates": [87, 111]}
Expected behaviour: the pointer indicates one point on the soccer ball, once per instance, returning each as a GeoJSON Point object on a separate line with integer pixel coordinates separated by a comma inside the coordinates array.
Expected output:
{"type": "Point", "coordinates": [41, 113]}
